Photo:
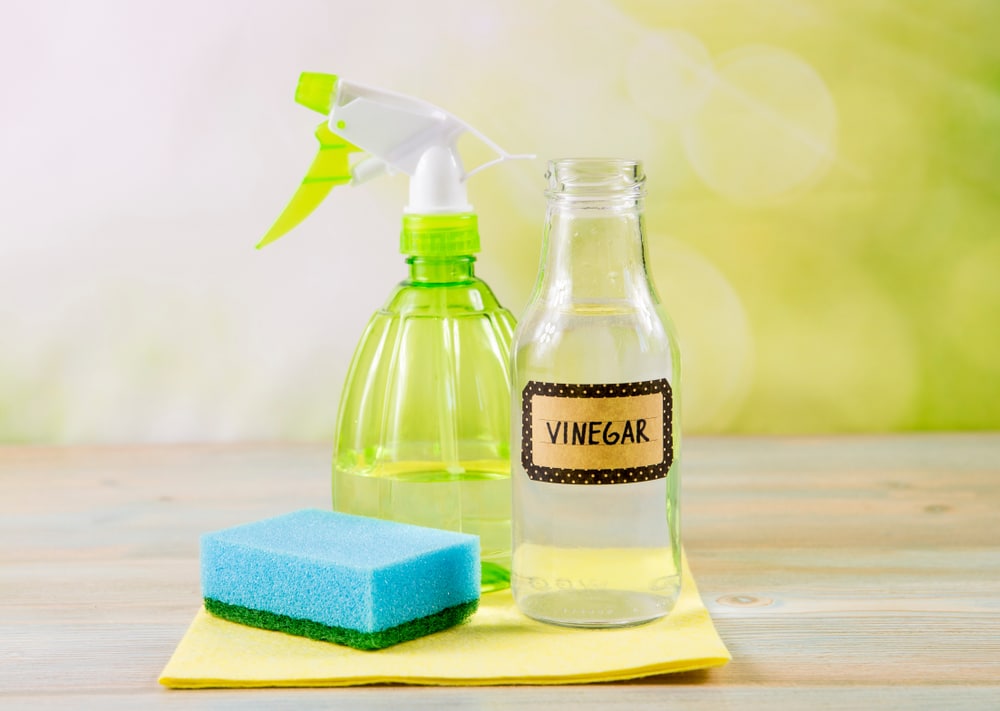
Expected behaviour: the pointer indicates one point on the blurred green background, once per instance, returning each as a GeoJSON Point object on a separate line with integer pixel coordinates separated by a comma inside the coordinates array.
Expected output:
{"type": "Point", "coordinates": [823, 209]}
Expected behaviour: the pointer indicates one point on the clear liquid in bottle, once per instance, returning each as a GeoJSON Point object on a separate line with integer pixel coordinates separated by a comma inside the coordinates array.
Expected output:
{"type": "Point", "coordinates": [595, 436]}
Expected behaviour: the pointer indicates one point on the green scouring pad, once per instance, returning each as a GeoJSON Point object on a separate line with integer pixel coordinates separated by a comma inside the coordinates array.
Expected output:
{"type": "Point", "coordinates": [358, 581]}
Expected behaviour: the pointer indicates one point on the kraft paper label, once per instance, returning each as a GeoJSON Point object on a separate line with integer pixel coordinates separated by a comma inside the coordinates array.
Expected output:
{"type": "Point", "coordinates": [596, 434]}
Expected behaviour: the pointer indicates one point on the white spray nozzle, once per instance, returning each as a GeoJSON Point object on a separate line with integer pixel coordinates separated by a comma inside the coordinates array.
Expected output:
{"type": "Point", "coordinates": [438, 185]}
{"type": "Point", "coordinates": [398, 133]}
{"type": "Point", "coordinates": [411, 136]}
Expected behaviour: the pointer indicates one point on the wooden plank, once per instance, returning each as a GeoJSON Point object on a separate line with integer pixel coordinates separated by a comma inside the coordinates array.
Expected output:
{"type": "Point", "coordinates": [842, 572]}
{"type": "Point", "coordinates": [697, 694]}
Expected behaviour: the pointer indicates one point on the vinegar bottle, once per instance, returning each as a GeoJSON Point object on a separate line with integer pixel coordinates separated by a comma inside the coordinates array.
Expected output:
{"type": "Point", "coordinates": [595, 453]}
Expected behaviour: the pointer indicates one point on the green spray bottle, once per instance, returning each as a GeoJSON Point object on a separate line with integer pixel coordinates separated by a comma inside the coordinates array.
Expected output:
{"type": "Point", "coordinates": [422, 430]}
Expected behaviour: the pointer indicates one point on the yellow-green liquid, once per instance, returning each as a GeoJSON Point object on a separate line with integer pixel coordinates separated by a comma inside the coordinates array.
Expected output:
{"type": "Point", "coordinates": [472, 497]}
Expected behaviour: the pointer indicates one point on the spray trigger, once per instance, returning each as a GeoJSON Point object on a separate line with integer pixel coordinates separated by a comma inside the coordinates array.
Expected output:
{"type": "Point", "coordinates": [330, 168]}
{"type": "Point", "coordinates": [396, 133]}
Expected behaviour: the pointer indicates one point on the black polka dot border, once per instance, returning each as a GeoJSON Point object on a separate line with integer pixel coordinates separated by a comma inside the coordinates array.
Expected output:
{"type": "Point", "coordinates": [590, 477]}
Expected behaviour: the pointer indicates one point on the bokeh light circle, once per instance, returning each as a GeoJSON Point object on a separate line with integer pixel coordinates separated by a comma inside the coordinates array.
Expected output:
{"type": "Point", "coordinates": [767, 127]}
{"type": "Point", "coordinates": [669, 74]}
{"type": "Point", "coordinates": [717, 350]}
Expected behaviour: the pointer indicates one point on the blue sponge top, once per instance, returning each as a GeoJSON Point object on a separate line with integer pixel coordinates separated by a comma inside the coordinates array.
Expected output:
{"type": "Point", "coordinates": [340, 570]}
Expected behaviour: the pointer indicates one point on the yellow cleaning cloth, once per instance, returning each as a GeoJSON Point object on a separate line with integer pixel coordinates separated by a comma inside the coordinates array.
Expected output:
{"type": "Point", "coordinates": [498, 645]}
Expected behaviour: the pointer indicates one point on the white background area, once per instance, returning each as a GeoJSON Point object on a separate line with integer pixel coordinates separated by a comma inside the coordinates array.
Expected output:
{"type": "Point", "coordinates": [146, 147]}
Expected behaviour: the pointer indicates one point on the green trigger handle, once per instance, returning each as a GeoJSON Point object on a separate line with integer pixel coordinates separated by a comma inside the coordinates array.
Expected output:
{"type": "Point", "coordinates": [330, 168]}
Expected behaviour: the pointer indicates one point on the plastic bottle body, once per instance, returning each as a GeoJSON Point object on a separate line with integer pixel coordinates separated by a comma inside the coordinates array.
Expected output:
{"type": "Point", "coordinates": [595, 434]}
{"type": "Point", "coordinates": [422, 434]}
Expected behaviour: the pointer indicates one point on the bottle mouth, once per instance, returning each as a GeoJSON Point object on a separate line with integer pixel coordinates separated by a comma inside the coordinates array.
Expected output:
{"type": "Point", "coordinates": [595, 179]}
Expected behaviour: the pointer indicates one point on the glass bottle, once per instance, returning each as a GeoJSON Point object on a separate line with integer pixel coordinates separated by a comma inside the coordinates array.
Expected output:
{"type": "Point", "coordinates": [422, 433]}
{"type": "Point", "coordinates": [594, 417]}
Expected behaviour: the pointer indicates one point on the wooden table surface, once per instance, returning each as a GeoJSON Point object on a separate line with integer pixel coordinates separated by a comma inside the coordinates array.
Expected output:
{"type": "Point", "coordinates": [846, 572]}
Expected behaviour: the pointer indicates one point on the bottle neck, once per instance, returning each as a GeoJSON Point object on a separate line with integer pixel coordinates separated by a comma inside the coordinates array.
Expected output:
{"type": "Point", "coordinates": [441, 271]}
{"type": "Point", "coordinates": [594, 250]}
{"type": "Point", "coordinates": [593, 253]}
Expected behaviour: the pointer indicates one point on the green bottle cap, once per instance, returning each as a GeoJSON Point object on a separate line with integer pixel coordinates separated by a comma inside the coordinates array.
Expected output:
{"type": "Point", "coordinates": [439, 235]}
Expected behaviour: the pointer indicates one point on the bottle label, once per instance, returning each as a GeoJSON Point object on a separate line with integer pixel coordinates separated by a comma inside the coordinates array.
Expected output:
{"type": "Point", "coordinates": [597, 434]}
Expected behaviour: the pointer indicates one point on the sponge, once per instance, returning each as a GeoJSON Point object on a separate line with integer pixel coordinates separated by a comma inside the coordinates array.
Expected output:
{"type": "Point", "coordinates": [352, 580]}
